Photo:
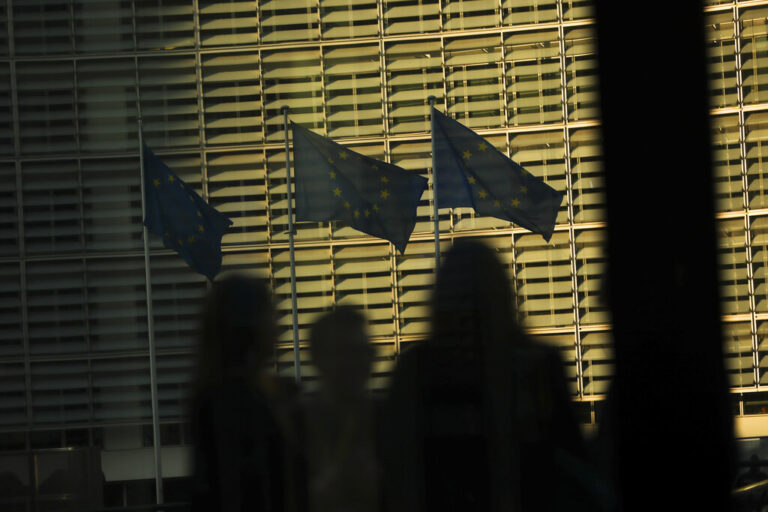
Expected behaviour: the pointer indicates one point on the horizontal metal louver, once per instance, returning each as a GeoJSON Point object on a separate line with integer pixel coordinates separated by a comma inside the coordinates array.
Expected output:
{"type": "Point", "coordinates": [587, 175]}
{"type": "Point", "coordinates": [314, 288]}
{"type": "Point", "coordinates": [758, 231]}
{"type": "Point", "coordinates": [112, 204]}
{"type": "Point", "coordinates": [165, 25]}
{"type": "Point", "coordinates": [103, 25]}
{"type": "Point", "coordinates": [6, 119]}
{"type": "Point", "coordinates": [348, 18]}
{"type": "Point", "coordinates": [726, 163]}
{"type": "Point", "coordinates": [232, 98]}
{"type": "Point", "coordinates": [762, 352]}
{"type": "Point", "coordinates": [754, 65]}
{"type": "Point", "coordinates": [352, 76]}
{"type": "Point", "coordinates": [52, 207]}
{"type": "Point", "coordinates": [532, 70]}
{"type": "Point", "coordinates": [414, 71]}
{"type": "Point", "coordinates": [721, 58]}
{"type": "Point", "coordinates": [526, 12]}
{"type": "Point", "coordinates": [60, 392]}
{"type": "Point", "coordinates": [57, 307]}
{"type": "Point", "coordinates": [294, 20]}
{"type": "Point", "coordinates": [175, 378]}
{"type": "Point", "coordinates": [46, 106]}
{"type": "Point", "coordinates": [411, 16]}
{"type": "Point", "coordinates": [292, 78]}
{"type": "Point", "coordinates": [470, 14]}
{"type": "Point", "coordinates": [543, 280]}
{"type": "Point", "coordinates": [228, 23]}
{"type": "Point", "coordinates": [121, 389]}
{"type": "Point", "coordinates": [738, 353]}
{"type": "Point", "coordinates": [591, 267]}
{"type": "Point", "coordinates": [169, 101]}
{"type": "Point", "coordinates": [581, 74]}
{"type": "Point", "coordinates": [237, 187]}
{"type": "Point", "coordinates": [756, 146]}
{"type": "Point", "coordinates": [474, 80]}
{"type": "Point", "coordinates": [106, 103]}
{"type": "Point", "coordinates": [41, 27]}
{"type": "Point", "coordinates": [177, 293]}
{"type": "Point", "coordinates": [577, 9]}
{"type": "Point", "coordinates": [3, 28]}
{"type": "Point", "coordinates": [734, 287]}
{"type": "Point", "coordinates": [8, 210]}
{"type": "Point", "coordinates": [13, 403]}
{"type": "Point", "coordinates": [597, 361]}
{"type": "Point", "coordinates": [11, 326]}
{"type": "Point", "coordinates": [415, 277]}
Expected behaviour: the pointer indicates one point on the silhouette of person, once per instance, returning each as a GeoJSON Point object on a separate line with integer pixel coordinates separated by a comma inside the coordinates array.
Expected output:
{"type": "Point", "coordinates": [479, 416]}
{"type": "Point", "coordinates": [341, 442]}
{"type": "Point", "coordinates": [244, 454]}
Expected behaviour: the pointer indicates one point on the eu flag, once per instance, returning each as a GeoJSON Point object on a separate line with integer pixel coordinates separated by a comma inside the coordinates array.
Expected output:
{"type": "Point", "coordinates": [471, 172]}
{"type": "Point", "coordinates": [188, 224]}
{"type": "Point", "coordinates": [334, 183]}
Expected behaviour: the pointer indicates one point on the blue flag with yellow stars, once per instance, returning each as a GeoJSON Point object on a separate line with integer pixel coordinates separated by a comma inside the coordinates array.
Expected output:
{"type": "Point", "coordinates": [188, 224]}
{"type": "Point", "coordinates": [471, 172]}
{"type": "Point", "coordinates": [334, 183]}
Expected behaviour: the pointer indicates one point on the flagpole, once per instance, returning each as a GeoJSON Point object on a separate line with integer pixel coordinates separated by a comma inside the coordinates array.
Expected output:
{"type": "Point", "coordinates": [431, 100]}
{"type": "Point", "coordinates": [150, 329]}
{"type": "Point", "coordinates": [294, 309]}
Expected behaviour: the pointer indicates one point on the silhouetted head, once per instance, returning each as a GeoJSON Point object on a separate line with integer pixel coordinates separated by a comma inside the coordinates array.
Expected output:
{"type": "Point", "coordinates": [472, 303]}
{"type": "Point", "coordinates": [237, 331]}
{"type": "Point", "coordinates": [341, 352]}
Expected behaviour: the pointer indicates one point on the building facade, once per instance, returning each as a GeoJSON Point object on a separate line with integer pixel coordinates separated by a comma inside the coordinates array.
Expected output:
{"type": "Point", "coordinates": [207, 79]}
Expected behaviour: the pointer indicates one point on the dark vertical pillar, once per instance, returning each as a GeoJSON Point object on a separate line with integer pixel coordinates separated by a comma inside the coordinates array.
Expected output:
{"type": "Point", "coordinates": [673, 427]}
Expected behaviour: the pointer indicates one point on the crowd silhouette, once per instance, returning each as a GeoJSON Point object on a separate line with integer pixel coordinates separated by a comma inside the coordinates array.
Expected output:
{"type": "Point", "coordinates": [477, 417]}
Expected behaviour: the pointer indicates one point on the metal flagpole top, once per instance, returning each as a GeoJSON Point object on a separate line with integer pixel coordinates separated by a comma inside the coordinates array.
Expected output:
{"type": "Point", "coordinates": [431, 100]}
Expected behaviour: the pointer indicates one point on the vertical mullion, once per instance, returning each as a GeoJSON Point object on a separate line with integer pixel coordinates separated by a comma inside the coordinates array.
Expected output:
{"type": "Point", "coordinates": [745, 195]}
{"type": "Point", "coordinates": [569, 198]}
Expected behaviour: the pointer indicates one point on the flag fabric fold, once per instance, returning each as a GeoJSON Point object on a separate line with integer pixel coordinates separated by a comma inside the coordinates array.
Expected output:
{"type": "Point", "coordinates": [471, 172]}
{"type": "Point", "coordinates": [186, 223]}
{"type": "Point", "coordinates": [335, 183]}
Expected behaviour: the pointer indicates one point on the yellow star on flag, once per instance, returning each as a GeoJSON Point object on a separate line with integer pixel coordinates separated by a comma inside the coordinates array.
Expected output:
{"type": "Point", "coordinates": [384, 194]}
{"type": "Point", "coordinates": [357, 213]}
{"type": "Point", "coordinates": [375, 167]}
{"type": "Point", "coordinates": [467, 154]}
{"type": "Point", "coordinates": [367, 212]}
{"type": "Point", "coordinates": [375, 207]}
{"type": "Point", "coordinates": [497, 203]}
{"type": "Point", "coordinates": [483, 146]}
{"type": "Point", "coordinates": [482, 194]}
{"type": "Point", "coordinates": [347, 205]}
{"type": "Point", "coordinates": [384, 179]}
{"type": "Point", "coordinates": [171, 178]}
{"type": "Point", "coordinates": [201, 228]}
{"type": "Point", "coordinates": [471, 180]}
{"type": "Point", "coordinates": [524, 189]}
{"type": "Point", "coordinates": [330, 160]}
{"type": "Point", "coordinates": [332, 174]}
{"type": "Point", "coordinates": [191, 239]}
{"type": "Point", "coordinates": [515, 202]}
{"type": "Point", "coordinates": [337, 192]}
{"type": "Point", "coordinates": [156, 182]}
{"type": "Point", "coordinates": [181, 242]}
{"type": "Point", "coordinates": [199, 213]}
{"type": "Point", "coordinates": [343, 155]}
